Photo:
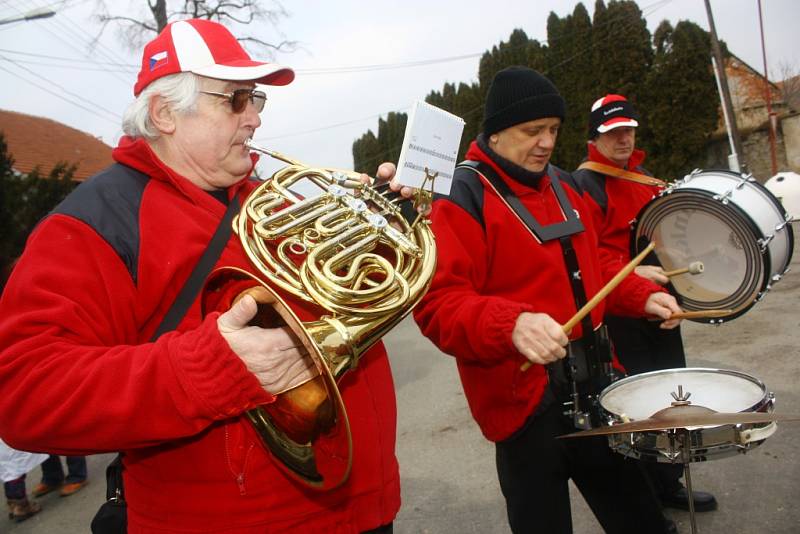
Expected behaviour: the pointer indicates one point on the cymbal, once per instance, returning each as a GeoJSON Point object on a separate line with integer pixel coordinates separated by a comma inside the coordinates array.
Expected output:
{"type": "Point", "coordinates": [684, 417]}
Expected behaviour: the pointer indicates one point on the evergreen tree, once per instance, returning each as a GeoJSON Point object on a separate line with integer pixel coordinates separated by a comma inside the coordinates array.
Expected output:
{"type": "Point", "coordinates": [24, 200]}
{"type": "Point", "coordinates": [465, 102]}
{"type": "Point", "coordinates": [519, 50]}
{"type": "Point", "coordinates": [669, 80]}
{"type": "Point", "coordinates": [678, 106]}
{"type": "Point", "coordinates": [622, 51]}
{"type": "Point", "coordinates": [370, 150]}
{"type": "Point", "coordinates": [569, 60]}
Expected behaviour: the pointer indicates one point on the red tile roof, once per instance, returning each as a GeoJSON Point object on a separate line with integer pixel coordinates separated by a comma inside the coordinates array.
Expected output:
{"type": "Point", "coordinates": [36, 141]}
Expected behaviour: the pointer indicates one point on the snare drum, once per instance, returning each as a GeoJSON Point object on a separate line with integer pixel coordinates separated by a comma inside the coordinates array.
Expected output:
{"type": "Point", "coordinates": [730, 223]}
{"type": "Point", "coordinates": [638, 397]}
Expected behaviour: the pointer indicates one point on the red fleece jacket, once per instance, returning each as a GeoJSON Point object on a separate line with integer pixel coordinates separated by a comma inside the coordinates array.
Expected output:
{"type": "Point", "coordinates": [488, 274]}
{"type": "Point", "coordinates": [78, 376]}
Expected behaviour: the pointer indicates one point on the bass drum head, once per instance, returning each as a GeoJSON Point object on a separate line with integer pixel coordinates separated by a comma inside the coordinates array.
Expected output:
{"type": "Point", "coordinates": [690, 226]}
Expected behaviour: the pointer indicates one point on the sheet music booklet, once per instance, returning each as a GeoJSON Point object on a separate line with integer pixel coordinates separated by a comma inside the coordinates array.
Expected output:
{"type": "Point", "coordinates": [431, 142]}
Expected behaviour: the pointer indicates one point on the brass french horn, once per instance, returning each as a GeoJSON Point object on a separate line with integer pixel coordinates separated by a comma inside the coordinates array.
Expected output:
{"type": "Point", "coordinates": [343, 251]}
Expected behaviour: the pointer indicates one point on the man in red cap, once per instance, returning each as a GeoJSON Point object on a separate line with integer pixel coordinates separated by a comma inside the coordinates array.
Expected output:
{"type": "Point", "coordinates": [80, 372]}
{"type": "Point", "coordinates": [517, 257]}
{"type": "Point", "coordinates": [613, 176]}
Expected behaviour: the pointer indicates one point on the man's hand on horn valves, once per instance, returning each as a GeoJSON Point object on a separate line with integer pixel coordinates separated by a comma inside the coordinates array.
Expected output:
{"type": "Point", "coordinates": [539, 338]}
{"type": "Point", "coordinates": [386, 172]}
{"type": "Point", "coordinates": [275, 355]}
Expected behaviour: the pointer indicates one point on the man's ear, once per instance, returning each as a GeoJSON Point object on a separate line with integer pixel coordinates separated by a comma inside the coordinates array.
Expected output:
{"type": "Point", "coordinates": [493, 138]}
{"type": "Point", "coordinates": [161, 114]}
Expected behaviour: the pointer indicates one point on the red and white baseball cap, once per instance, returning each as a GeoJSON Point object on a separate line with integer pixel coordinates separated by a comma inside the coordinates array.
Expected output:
{"type": "Point", "coordinates": [609, 112]}
{"type": "Point", "coordinates": [206, 48]}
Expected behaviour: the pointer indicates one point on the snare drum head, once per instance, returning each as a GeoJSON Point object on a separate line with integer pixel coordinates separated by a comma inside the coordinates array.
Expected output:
{"type": "Point", "coordinates": [719, 219]}
{"type": "Point", "coordinates": [640, 396]}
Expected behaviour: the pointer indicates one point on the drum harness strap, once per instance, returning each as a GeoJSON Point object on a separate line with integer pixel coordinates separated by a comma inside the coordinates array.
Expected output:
{"type": "Point", "coordinates": [618, 172]}
{"type": "Point", "coordinates": [587, 368]}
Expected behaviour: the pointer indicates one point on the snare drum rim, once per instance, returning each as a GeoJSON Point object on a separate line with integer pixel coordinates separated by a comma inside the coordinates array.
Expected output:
{"type": "Point", "coordinates": [747, 222]}
{"type": "Point", "coordinates": [633, 378]}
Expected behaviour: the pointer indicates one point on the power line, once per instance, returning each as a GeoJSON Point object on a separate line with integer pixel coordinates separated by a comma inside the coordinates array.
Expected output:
{"type": "Point", "coordinates": [385, 66]}
{"type": "Point", "coordinates": [62, 97]}
{"type": "Point", "coordinates": [69, 59]}
{"type": "Point", "coordinates": [60, 30]}
{"type": "Point", "coordinates": [348, 69]}
{"type": "Point", "coordinates": [79, 97]}
{"type": "Point", "coordinates": [354, 121]}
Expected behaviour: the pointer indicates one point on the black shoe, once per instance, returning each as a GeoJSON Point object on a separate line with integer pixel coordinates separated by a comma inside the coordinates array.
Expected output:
{"type": "Point", "coordinates": [670, 527]}
{"type": "Point", "coordinates": [703, 501]}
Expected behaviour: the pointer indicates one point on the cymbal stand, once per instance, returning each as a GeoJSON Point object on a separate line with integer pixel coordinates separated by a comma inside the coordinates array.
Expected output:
{"type": "Point", "coordinates": [686, 445]}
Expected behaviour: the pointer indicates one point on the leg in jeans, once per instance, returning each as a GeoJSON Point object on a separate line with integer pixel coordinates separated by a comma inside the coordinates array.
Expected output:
{"type": "Point", "coordinates": [15, 489]}
{"type": "Point", "coordinates": [532, 470]}
{"type": "Point", "coordinates": [76, 469]}
{"type": "Point", "coordinates": [52, 471]}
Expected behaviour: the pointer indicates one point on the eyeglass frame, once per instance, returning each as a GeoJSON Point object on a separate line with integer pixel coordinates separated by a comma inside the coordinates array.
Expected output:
{"type": "Point", "coordinates": [253, 97]}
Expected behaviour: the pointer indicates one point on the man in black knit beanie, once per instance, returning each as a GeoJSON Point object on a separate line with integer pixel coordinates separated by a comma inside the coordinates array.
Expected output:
{"type": "Point", "coordinates": [517, 257]}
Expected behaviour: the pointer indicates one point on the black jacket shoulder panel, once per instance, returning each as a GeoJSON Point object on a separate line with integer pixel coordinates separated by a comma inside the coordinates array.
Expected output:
{"type": "Point", "coordinates": [593, 183]}
{"type": "Point", "coordinates": [109, 203]}
{"type": "Point", "coordinates": [466, 192]}
{"type": "Point", "coordinates": [564, 177]}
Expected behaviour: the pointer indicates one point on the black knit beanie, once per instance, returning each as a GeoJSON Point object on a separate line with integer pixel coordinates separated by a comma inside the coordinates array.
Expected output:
{"type": "Point", "coordinates": [520, 94]}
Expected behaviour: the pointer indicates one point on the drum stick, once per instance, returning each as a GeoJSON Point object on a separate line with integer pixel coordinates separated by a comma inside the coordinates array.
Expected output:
{"type": "Point", "coordinates": [700, 314]}
{"type": "Point", "coordinates": [600, 295]}
{"type": "Point", "coordinates": [696, 267]}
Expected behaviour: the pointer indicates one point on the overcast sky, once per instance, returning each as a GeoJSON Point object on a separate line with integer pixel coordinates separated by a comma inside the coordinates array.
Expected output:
{"type": "Point", "coordinates": [48, 69]}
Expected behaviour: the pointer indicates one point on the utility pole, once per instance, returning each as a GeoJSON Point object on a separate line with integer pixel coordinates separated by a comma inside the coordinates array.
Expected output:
{"type": "Point", "coordinates": [725, 95]}
{"type": "Point", "coordinates": [768, 92]}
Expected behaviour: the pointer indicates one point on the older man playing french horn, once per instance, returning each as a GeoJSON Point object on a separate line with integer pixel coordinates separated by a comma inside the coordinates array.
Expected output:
{"type": "Point", "coordinates": [80, 371]}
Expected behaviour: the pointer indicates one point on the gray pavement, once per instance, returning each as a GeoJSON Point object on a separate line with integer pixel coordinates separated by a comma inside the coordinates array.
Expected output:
{"type": "Point", "coordinates": [447, 467]}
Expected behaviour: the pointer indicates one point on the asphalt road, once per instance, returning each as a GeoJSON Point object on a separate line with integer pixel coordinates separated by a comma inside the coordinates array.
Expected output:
{"type": "Point", "coordinates": [447, 467]}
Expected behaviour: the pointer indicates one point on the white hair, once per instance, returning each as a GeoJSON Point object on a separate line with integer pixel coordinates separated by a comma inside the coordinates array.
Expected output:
{"type": "Point", "coordinates": [179, 90]}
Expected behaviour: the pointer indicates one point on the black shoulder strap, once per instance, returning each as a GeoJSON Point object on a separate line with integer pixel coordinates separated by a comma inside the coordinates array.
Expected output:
{"type": "Point", "coordinates": [115, 492]}
{"type": "Point", "coordinates": [571, 225]}
{"type": "Point", "coordinates": [204, 265]}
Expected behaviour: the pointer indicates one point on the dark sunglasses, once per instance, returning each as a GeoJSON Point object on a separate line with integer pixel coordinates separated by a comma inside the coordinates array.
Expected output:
{"type": "Point", "coordinates": [239, 98]}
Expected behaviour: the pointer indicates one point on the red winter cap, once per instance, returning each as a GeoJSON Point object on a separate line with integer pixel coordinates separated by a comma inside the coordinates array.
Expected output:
{"type": "Point", "coordinates": [206, 48]}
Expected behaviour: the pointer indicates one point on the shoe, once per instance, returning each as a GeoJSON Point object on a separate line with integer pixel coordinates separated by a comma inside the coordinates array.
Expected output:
{"type": "Point", "coordinates": [73, 487]}
{"type": "Point", "coordinates": [670, 527]}
{"type": "Point", "coordinates": [22, 509]}
{"type": "Point", "coordinates": [703, 501]}
{"type": "Point", "coordinates": [43, 489]}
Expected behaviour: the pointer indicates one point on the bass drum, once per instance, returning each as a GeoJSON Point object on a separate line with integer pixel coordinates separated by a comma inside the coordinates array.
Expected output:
{"type": "Point", "coordinates": [729, 222]}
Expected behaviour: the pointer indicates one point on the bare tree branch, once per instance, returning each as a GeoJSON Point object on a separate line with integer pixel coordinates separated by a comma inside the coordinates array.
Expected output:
{"type": "Point", "coordinates": [136, 29]}
{"type": "Point", "coordinates": [790, 85]}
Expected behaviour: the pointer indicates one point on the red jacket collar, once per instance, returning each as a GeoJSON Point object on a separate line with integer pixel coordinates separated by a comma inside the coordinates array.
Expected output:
{"type": "Point", "coordinates": [136, 153]}
{"type": "Point", "coordinates": [636, 159]}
